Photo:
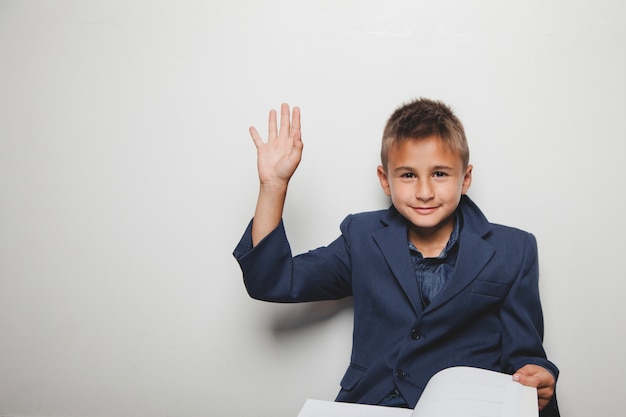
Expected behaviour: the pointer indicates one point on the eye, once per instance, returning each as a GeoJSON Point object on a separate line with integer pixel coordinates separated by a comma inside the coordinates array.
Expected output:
{"type": "Point", "coordinates": [407, 175]}
{"type": "Point", "coordinates": [439, 174]}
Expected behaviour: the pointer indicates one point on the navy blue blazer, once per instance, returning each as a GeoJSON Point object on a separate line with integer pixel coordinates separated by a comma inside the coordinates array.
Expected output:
{"type": "Point", "coordinates": [488, 315]}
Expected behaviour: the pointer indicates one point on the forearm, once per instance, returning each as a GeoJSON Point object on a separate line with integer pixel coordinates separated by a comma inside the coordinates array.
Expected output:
{"type": "Point", "coordinates": [269, 210]}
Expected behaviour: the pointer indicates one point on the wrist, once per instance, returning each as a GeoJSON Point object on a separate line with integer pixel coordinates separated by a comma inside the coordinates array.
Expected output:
{"type": "Point", "coordinates": [273, 187]}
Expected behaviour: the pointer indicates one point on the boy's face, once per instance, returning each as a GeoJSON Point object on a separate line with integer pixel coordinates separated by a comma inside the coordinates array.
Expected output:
{"type": "Point", "coordinates": [425, 181]}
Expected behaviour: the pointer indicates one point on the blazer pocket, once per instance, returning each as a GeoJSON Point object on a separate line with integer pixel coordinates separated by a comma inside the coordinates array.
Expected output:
{"type": "Point", "coordinates": [491, 289]}
{"type": "Point", "coordinates": [352, 376]}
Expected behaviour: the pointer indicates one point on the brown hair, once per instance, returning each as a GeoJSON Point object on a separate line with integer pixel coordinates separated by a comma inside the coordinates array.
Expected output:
{"type": "Point", "coordinates": [422, 118]}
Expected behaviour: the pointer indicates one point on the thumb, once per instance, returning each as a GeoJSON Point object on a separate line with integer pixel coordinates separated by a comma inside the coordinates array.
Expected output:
{"type": "Point", "coordinates": [526, 378]}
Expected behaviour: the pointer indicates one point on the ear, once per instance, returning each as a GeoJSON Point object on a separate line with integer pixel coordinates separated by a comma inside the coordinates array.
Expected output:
{"type": "Point", "coordinates": [467, 179]}
{"type": "Point", "coordinates": [384, 181]}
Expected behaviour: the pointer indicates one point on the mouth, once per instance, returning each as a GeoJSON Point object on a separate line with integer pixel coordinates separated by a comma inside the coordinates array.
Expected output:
{"type": "Point", "coordinates": [424, 210]}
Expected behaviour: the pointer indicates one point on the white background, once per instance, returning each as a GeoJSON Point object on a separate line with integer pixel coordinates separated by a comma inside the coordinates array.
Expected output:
{"type": "Point", "coordinates": [127, 177]}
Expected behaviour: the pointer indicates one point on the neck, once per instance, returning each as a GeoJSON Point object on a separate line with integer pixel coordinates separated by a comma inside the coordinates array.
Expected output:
{"type": "Point", "coordinates": [430, 242]}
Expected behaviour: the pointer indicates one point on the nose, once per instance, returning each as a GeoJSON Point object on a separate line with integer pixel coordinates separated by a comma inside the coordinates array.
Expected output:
{"type": "Point", "coordinates": [424, 190]}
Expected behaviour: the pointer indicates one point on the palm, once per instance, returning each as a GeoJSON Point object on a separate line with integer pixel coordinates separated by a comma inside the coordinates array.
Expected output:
{"type": "Point", "coordinates": [278, 158]}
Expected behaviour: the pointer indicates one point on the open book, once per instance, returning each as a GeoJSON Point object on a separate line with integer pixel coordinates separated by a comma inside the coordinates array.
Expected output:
{"type": "Point", "coordinates": [454, 392]}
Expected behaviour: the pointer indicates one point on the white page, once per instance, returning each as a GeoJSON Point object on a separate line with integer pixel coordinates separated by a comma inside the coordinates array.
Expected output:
{"type": "Point", "coordinates": [318, 408]}
{"type": "Point", "coordinates": [470, 392]}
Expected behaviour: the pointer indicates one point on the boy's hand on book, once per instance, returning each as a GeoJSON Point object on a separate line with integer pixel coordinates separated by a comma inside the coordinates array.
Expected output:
{"type": "Point", "coordinates": [279, 157]}
{"type": "Point", "coordinates": [539, 377]}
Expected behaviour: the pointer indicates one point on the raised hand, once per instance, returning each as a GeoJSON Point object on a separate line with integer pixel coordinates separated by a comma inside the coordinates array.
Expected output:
{"type": "Point", "coordinates": [278, 158]}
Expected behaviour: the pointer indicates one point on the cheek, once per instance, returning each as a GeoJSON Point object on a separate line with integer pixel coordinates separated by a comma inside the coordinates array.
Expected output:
{"type": "Point", "coordinates": [456, 191]}
{"type": "Point", "coordinates": [449, 191]}
{"type": "Point", "coordinates": [401, 191]}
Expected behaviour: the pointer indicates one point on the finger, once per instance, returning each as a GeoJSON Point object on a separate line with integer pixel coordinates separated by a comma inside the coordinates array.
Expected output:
{"type": "Point", "coordinates": [297, 141]}
{"type": "Point", "coordinates": [544, 390]}
{"type": "Point", "coordinates": [258, 141]}
{"type": "Point", "coordinates": [544, 396]}
{"type": "Point", "coordinates": [272, 132]}
{"type": "Point", "coordinates": [534, 375]}
{"type": "Point", "coordinates": [527, 380]}
{"type": "Point", "coordinates": [518, 378]}
{"type": "Point", "coordinates": [295, 120]}
{"type": "Point", "coordinates": [284, 121]}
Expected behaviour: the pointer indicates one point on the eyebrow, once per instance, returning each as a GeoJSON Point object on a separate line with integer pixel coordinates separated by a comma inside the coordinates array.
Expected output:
{"type": "Point", "coordinates": [401, 169]}
{"type": "Point", "coordinates": [435, 168]}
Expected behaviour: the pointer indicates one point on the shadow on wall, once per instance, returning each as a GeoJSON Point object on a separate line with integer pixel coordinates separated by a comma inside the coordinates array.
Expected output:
{"type": "Point", "coordinates": [301, 316]}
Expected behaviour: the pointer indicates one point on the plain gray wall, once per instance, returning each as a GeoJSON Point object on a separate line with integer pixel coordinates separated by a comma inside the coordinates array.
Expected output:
{"type": "Point", "coordinates": [127, 176]}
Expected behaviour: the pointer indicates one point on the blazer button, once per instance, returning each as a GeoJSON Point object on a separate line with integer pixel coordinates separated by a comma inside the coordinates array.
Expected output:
{"type": "Point", "coordinates": [400, 373]}
{"type": "Point", "coordinates": [415, 334]}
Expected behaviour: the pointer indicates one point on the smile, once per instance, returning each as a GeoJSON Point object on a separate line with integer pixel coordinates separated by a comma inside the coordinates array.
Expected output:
{"type": "Point", "coordinates": [424, 210]}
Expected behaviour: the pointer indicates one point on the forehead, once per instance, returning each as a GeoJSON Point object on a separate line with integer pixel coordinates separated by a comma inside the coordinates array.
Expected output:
{"type": "Point", "coordinates": [431, 150]}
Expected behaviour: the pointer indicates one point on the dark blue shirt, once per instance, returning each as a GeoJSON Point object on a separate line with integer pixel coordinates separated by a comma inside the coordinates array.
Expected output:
{"type": "Point", "coordinates": [433, 273]}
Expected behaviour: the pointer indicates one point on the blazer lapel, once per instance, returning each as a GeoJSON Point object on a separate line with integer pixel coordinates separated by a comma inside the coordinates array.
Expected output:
{"type": "Point", "coordinates": [394, 245]}
{"type": "Point", "coordinates": [474, 254]}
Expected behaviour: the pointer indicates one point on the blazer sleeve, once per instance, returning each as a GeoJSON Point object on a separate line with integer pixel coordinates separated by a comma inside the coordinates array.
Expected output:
{"type": "Point", "coordinates": [272, 273]}
{"type": "Point", "coordinates": [522, 321]}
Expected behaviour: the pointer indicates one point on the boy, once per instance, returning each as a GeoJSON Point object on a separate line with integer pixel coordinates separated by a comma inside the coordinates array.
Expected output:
{"type": "Point", "coordinates": [434, 283]}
